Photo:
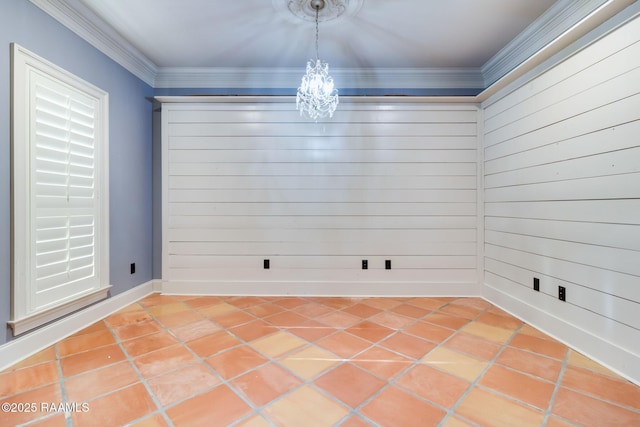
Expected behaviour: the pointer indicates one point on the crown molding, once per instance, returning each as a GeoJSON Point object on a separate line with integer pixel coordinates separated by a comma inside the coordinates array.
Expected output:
{"type": "Point", "coordinates": [551, 25]}
{"type": "Point", "coordinates": [382, 78]}
{"type": "Point", "coordinates": [81, 20]}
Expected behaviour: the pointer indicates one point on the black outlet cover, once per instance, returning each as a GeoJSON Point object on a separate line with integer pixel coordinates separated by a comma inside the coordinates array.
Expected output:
{"type": "Point", "coordinates": [387, 264]}
{"type": "Point", "coordinates": [562, 293]}
{"type": "Point", "coordinates": [365, 264]}
{"type": "Point", "coordinates": [133, 268]}
{"type": "Point", "coordinates": [266, 264]}
{"type": "Point", "coordinates": [536, 284]}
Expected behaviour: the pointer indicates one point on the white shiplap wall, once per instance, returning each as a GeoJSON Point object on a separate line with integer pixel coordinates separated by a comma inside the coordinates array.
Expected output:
{"type": "Point", "coordinates": [562, 200]}
{"type": "Point", "coordinates": [381, 180]}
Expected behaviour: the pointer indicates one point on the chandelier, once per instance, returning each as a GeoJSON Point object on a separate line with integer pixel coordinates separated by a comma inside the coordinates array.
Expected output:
{"type": "Point", "coordinates": [317, 97]}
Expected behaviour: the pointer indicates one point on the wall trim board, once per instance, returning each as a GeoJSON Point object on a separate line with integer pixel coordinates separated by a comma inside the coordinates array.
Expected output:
{"type": "Point", "coordinates": [20, 348]}
{"type": "Point", "coordinates": [618, 360]}
{"type": "Point", "coordinates": [322, 289]}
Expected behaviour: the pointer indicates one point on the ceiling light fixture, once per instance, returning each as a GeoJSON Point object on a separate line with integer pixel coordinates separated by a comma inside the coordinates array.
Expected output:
{"type": "Point", "coordinates": [317, 97]}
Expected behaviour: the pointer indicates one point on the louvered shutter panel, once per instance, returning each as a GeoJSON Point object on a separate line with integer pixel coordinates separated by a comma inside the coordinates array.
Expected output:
{"type": "Point", "coordinates": [64, 203]}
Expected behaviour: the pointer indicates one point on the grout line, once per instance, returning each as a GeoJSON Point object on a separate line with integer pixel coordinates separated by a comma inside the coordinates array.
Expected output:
{"type": "Point", "coordinates": [563, 368]}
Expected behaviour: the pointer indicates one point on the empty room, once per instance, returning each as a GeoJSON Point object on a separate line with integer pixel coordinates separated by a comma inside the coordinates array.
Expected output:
{"type": "Point", "coordinates": [320, 213]}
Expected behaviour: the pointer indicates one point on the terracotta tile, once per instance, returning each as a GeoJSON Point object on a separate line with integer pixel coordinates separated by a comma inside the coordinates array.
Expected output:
{"type": "Point", "coordinates": [131, 307]}
{"type": "Point", "coordinates": [382, 303]}
{"type": "Point", "coordinates": [197, 411]}
{"type": "Point", "coordinates": [370, 331]}
{"type": "Point", "coordinates": [166, 309]}
{"type": "Point", "coordinates": [581, 361]}
{"type": "Point", "coordinates": [21, 380]}
{"type": "Point", "coordinates": [182, 383]}
{"type": "Point", "coordinates": [410, 311]}
{"type": "Point", "coordinates": [472, 302]}
{"type": "Point", "coordinates": [305, 407]}
{"type": "Point", "coordinates": [217, 310]}
{"type": "Point", "coordinates": [202, 302]}
{"type": "Point", "coordinates": [51, 421]}
{"type": "Point", "coordinates": [135, 330]}
{"type": "Point", "coordinates": [350, 384]}
{"type": "Point", "coordinates": [160, 361]}
{"type": "Point", "coordinates": [94, 327]}
{"type": "Point", "coordinates": [127, 318]}
{"type": "Point", "coordinates": [428, 303]}
{"type": "Point", "coordinates": [132, 403]}
{"type": "Point", "coordinates": [338, 319]}
{"type": "Point", "coordinates": [156, 299]}
{"type": "Point", "coordinates": [460, 311]}
{"type": "Point", "coordinates": [519, 386]}
{"type": "Point", "coordinates": [49, 393]}
{"type": "Point", "coordinates": [311, 330]}
{"type": "Point", "coordinates": [491, 333]}
{"type": "Point", "coordinates": [455, 422]}
{"type": "Point", "coordinates": [530, 363]}
{"type": "Point", "coordinates": [618, 391]}
{"type": "Point", "coordinates": [277, 344]}
{"type": "Point", "coordinates": [235, 318]}
{"type": "Point", "coordinates": [148, 343]}
{"type": "Point", "coordinates": [253, 330]}
{"type": "Point", "coordinates": [541, 346]}
{"type": "Point", "coordinates": [156, 420]}
{"type": "Point", "coordinates": [429, 332]}
{"type": "Point", "coordinates": [486, 408]}
{"type": "Point", "coordinates": [466, 367]}
{"type": "Point", "coordinates": [474, 345]}
{"type": "Point", "coordinates": [446, 320]}
{"type": "Point", "coordinates": [531, 331]}
{"type": "Point", "coordinates": [291, 302]}
{"type": "Point", "coordinates": [179, 319]}
{"type": "Point", "coordinates": [408, 345]}
{"type": "Point", "coordinates": [355, 421]}
{"type": "Point", "coordinates": [312, 310]}
{"type": "Point", "coordinates": [343, 344]}
{"type": "Point", "coordinates": [195, 330]}
{"type": "Point", "coordinates": [46, 355]}
{"type": "Point", "coordinates": [433, 385]}
{"type": "Point", "coordinates": [285, 319]}
{"type": "Point", "coordinates": [80, 343]}
{"type": "Point", "coordinates": [504, 322]}
{"type": "Point", "coordinates": [214, 343]}
{"type": "Point", "coordinates": [265, 384]}
{"type": "Point", "coordinates": [391, 320]}
{"type": "Point", "coordinates": [236, 361]}
{"type": "Point", "coordinates": [255, 421]}
{"type": "Point", "coordinates": [244, 302]}
{"type": "Point", "coordinates": [381, 362]}
{"type": "Point", "coordinates": [310, 362]}
{"type": "Point", "coordinates": [362, 310]}
{"type": "Point", "coordinates": [395, 408]}
{"type": "Point", "coordinates": [264, 310]}
{"type": "Point", "coordinates": [338, 303]}
{"type": "Point", "coordinates": [94, 383]}
{"type": "Point", "coordinates": [557, 422]}
{"type": "Point", "coordinates": [589, 411]}
{"type": "Point", "coordinates": [91, 359]}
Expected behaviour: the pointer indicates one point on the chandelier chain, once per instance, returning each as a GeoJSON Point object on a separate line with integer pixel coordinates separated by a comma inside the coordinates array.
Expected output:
{"type": "Point", "coordinates": [317, 31]}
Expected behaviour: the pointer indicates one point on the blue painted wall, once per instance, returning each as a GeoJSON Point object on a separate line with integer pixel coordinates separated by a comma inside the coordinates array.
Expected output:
{"type": "Point", "coordinates": [130, 153]}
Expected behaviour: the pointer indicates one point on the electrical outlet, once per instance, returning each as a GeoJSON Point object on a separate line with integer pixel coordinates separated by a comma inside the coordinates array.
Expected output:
{"type": "Point", "coordinates": [132, 268]}
{"type": "Point", "coordinates": [365, 264]}
{"type": "Point", "coordinates": [562, 293]}
{"type": "Point", "coordinates": [536, 284]}
{"type": "Point", "coordinates": [387, 264]}
{"type": "Point", "coordinates": [266, 264]}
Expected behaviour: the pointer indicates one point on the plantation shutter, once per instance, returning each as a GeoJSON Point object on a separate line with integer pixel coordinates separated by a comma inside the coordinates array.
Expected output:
{"type": "Point", "coordinates": [64, 201]}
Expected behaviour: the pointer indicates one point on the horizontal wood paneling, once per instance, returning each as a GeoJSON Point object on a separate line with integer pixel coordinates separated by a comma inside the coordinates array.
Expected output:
{"type": "Point", "coordinates": [562, 193]}
{"type": "Point", "coordinates": [244, 183]}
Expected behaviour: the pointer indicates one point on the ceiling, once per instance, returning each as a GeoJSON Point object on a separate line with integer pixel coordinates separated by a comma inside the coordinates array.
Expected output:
{"type": "Point", "coordinates": [381, 34]}
{"type": "Point", "coordinates": [375, 43]}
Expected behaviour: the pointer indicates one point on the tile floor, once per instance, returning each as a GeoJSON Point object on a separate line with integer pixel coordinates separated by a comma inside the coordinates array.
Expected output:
{"type": "Point", "coordinates": [252, 361]}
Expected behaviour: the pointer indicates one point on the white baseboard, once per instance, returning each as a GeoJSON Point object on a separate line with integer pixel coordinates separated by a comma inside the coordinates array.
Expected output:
{"type": "Point", "coordinates": [343, 289]}
{"type": "Point", "coordinates": [20, 348]}
{"type": "Point", "coordinates": [619, 360]}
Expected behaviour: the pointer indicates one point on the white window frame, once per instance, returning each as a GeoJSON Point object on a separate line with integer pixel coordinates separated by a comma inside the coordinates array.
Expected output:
{"type": "Point", "coordinates": [27, 310]}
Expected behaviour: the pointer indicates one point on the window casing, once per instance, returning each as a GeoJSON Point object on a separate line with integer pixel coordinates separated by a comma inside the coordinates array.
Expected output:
{"type": "Point", "coordinates": [60, 222]}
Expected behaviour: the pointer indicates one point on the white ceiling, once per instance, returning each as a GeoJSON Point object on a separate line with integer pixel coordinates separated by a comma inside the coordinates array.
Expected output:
{"type": "Point", "coordinates": [376, 44]}
{"type": "Point", "coordinates": [383, 33]}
